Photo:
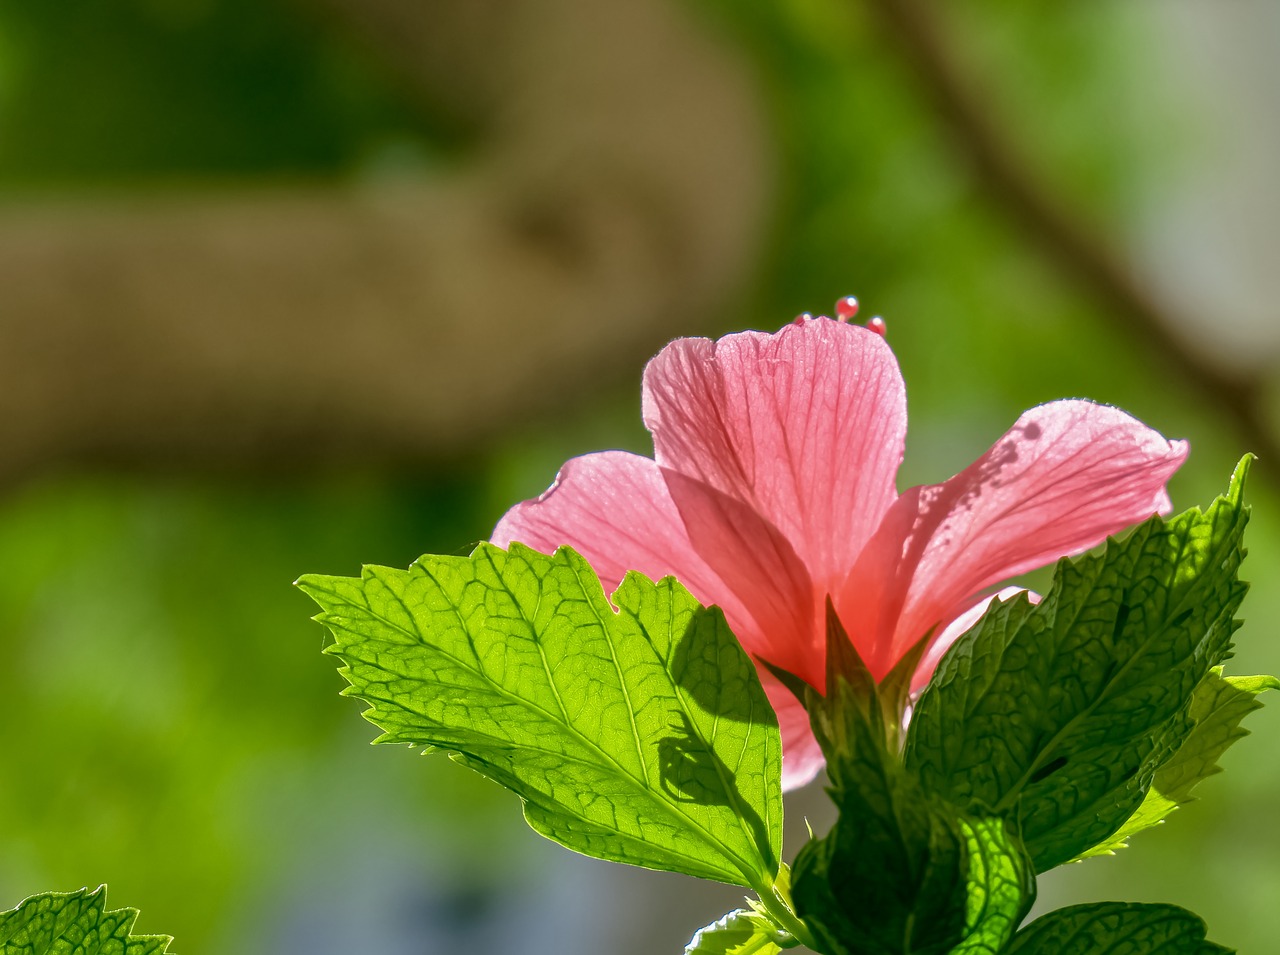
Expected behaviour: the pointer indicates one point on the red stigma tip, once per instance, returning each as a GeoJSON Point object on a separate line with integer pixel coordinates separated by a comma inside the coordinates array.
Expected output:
{"type": "Point", "coordinates": [847, 308]}
{"type": "Point", "coordinates": [801, 318]}
{"type": "Point", "coordinates": [877, 325]}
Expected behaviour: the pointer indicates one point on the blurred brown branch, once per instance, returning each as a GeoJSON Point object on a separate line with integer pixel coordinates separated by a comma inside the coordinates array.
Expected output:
{"type": "Point", "coordinates": [615, 198]}
{"type": "Point", "coordinates": [1087, 259]}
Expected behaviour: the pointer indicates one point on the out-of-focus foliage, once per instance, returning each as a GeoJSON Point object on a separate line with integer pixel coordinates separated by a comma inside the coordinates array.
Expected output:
{"type": "Point", "coordinates": [173, 720]}
{"type": "Point", "coordinates": [879, 202]}
{"type": "Point", "coordinates": [93, 92]}
{"type": "Point", "coordinates": [176, 730]}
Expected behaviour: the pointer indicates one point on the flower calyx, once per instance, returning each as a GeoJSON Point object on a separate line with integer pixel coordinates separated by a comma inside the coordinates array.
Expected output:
{"type": "Point", "coordinates": [853, 710]}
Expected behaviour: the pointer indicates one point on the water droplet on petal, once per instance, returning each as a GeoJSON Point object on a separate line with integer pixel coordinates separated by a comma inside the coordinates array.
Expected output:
{"type": "Point", "coordinates": [877, 325]}
{"type": "Point", "coordinates": [847, 308]}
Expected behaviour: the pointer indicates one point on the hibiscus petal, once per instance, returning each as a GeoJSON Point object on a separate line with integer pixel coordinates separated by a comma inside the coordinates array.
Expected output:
{"type": "Point", "coordinates": [805, 427]}
{"type": "Point", "coordinates": [755, 562]}
{"type": "Point", "coordinates": [617, 510]}
{"type": "Point", "coordinates": [614, 509]}
{"type": "Point", "coordinates": [1067, 475]}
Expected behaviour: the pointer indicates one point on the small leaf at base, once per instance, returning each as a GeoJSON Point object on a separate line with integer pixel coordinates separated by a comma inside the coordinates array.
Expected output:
{"type": "Point", "coordinates": [74, 923]}
{"type": "Point", "coordinates": [741, 932]}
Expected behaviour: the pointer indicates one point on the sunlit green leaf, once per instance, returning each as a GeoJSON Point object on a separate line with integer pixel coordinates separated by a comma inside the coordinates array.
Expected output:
{"type": "Point", "coordinates": [639, 735]}
{"type": "Point", "coordinates": [1130, 928]}
{"type": "Point", "coordinates": [74, 923]}
{"type": "Point", "coordinates": [1058, 716]}
{"type": "Point", "coordinates": [1218, 706]}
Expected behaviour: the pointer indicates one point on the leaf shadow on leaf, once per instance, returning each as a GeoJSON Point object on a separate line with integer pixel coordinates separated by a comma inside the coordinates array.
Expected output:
{"type": "Point", "coordinates": [691, 770]}
{"type": "Point", "coordinates": [699, 667]}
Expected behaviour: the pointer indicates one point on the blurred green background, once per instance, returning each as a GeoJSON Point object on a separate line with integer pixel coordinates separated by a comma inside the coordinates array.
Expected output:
{"type": "Point", "coordinates": [574, 185]}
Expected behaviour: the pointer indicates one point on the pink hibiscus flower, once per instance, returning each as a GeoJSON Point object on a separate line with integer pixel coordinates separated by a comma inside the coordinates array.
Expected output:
{"type": "Point", "coordinates": [772, 487]}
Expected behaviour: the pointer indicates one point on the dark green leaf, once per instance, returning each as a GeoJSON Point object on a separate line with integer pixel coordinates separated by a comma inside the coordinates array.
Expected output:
{"type": "Point", "coordinates": [1119, 927]}
{"type": "Point", "coordinates": [640, 735]}
{"type": "Point", "coordinates": [74, 923]}
{"type": "Point", "coordinates": [1218, 706]}
{"type": "Point", "coordinates": [903, 872]}
{"type": "Point", "coordinates": [1057, 716]}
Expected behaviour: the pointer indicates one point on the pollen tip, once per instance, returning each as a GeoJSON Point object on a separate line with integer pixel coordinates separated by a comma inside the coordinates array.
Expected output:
{"type": "Point", "coordinates": [847, 308]}
{"type": "Point", "coordinates": [876, 324]}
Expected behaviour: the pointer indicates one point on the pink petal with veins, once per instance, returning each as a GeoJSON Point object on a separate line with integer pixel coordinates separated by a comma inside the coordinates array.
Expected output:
{"type": "Point", "coordinates": [614, 509]}
{"type": "Point", "coordinates": [805, 428]}
{"type": "Point", "coordinates": [1063, 478]}
{"type": "Point", "coordinates": [758, 566]}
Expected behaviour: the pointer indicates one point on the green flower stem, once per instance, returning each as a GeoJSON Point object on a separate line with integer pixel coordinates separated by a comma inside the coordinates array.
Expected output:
{"type": "Point", "coordinates": [779, 908]}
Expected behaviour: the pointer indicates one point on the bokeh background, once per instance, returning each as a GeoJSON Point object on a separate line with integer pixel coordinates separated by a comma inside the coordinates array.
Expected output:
{"type": "Point", "coordinates": [292, 285]}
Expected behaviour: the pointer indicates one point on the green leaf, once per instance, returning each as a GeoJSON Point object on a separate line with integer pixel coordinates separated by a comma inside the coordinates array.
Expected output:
{"type": "Point", "coordinates": [914, 879]}
{"type": "Point", "coordinates": [1000, 886]}
{"type": "Point", "coordinates": [1218, 706]}
{"type": "Point", "coordinates": [741, 932]}
{"type": "Point", "coordinates": [902, 871]}
{"type": "Point", "coordinates": [1057, 716]}
{"type": "Point", "coordinates": [1131, 928]}
{"type": "Point", "coordinates": [638, 735]}
{"type": "Point", "coordinates": [74, 923]}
